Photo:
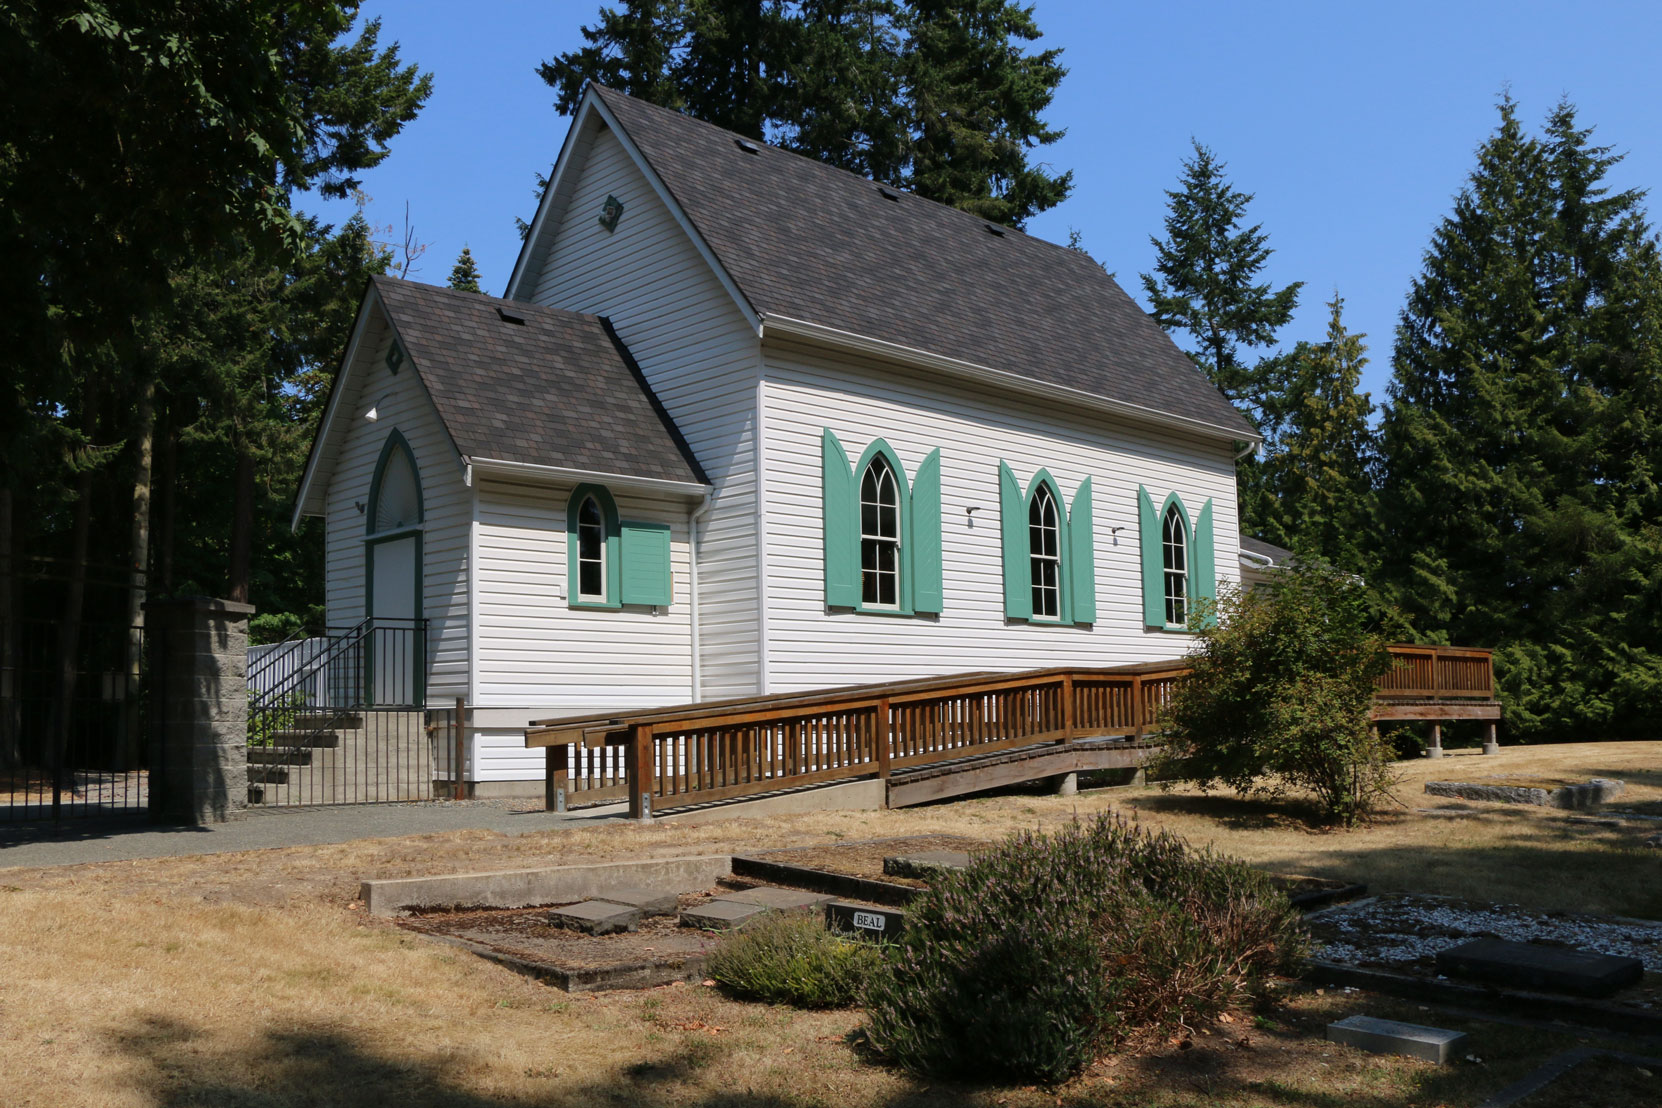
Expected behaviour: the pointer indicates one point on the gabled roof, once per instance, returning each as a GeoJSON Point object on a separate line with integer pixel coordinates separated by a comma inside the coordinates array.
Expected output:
{"type": "Point", "coordinates": [806, 242]}
{"type": "Point", "coordinates": [553, 389]}
{"type": "Point", "coordinates": [1271, 555]}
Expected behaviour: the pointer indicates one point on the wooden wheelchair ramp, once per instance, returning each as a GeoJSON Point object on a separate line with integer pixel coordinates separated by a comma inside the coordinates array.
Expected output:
{"type": "Point", "coordinates": [922, 740]}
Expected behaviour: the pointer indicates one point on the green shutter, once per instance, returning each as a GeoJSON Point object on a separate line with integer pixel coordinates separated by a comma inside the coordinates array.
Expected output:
{"type": "Point", "coordinates": [645, 578]}
{"type": "Point", "coordinates": [1081, 556]}
{"type": "Point", "coordinates": [1203, 575]}
{"type": "Point", "coordinates": [1018, 574]}
{"type": "Point", "coordinates": [1154, 566]}
{"type": "Point", "coordinates": [841, 508]}
{"type": "Point", "coordinates": [925, 549]}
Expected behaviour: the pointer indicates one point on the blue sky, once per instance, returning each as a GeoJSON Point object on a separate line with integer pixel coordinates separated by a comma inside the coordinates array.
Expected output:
{"type": "Point", "coordinates": [1353, 124]}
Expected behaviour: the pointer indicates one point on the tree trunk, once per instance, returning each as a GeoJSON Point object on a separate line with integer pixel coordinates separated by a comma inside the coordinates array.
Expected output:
{"type": "Point", "coordinates": [11, 751]}
{"type": "Point", "coordinates": [167, 475]}
{"type": "Point", "coordinates": [130, 751]}
{"type": "Point", "coordinates": [242, 526]}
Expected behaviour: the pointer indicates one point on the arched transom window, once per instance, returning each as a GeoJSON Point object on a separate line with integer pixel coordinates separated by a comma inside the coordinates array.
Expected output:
{"type": "Point", "coordinates": [1044, 535]}
{"type": "Point", "coordinates": [879, 535]}
{"type": "Point", "coordinates": [397, 490]}
{"type": "Point", "coordinates": [1175, 548]}
{"type": "Point", "coordinates": [591, 550]}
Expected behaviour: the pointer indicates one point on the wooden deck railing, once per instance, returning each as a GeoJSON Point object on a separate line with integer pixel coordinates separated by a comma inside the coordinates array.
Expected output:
{"type": "Point", "coordinates": [691, 754]}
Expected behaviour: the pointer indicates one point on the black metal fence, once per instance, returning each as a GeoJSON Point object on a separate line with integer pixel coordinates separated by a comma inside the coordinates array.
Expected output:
{"type": "Point", "coordinates": [72, 710]}
{"type": "Point", "coordinates": [337, 717]}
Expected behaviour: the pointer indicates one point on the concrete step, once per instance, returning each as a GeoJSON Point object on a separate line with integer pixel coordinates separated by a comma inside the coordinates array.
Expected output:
{"type": "Point", "coordinates": [340, 720]}
{"type": "Point", "coordinates": [279, 756]}
{"type": "Point", "coordinates": [306, 738]}
{"type": "Point", "coordinates": [268, 775]}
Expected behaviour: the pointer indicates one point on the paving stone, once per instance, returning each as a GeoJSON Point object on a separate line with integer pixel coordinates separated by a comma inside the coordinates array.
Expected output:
{"type": "Point", "coordinates": [721, 915]}
{"type": "Point", "coordinates": [651, 902]}
{"type": "Point", "coordinates": [1431, 1044]}
{"type": "Point", "coordinates": [596, 917]}
{"type": "Point", "coordinates": [1531, 966]}
{"type": "Point", "coordinates": [864, 922]}
{"type": "Point", "coordinates": [925, 864]}
{"type": "Point", "coordinates": [785, 900]}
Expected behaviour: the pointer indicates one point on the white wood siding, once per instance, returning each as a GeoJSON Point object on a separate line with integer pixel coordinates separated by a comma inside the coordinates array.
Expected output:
{"type": "Point", "coordinates": [400, 403]}
{"type": "Point", "coordinates": [809, 647]}
{"type": "Point", "coordinates": [536, 654]}
{"type": "Point", "coordinates": [701, 359]}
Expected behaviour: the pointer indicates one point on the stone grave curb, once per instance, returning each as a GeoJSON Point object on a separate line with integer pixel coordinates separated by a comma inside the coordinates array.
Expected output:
{"type": "Point", "coordinates": [839, 885]}
{"type": "Point", "coordinates": [1325, 898]}
{"type": "Point", "coordinates": [1557, 1066]}
{"type": "Point", "coordinates": [634, 975]}
{"type": "Point", "coordinates": [1589, 1013]}
{"type": "Point", "coordinates": [531, 888]}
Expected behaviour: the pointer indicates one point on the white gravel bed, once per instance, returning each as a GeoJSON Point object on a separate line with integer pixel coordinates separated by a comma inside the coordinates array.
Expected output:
{"type": "Point", "coordinates": [1407, 930]}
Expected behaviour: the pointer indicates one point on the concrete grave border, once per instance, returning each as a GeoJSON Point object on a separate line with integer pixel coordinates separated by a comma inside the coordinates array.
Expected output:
{"type": "Point", "coordinates": [531, 888]}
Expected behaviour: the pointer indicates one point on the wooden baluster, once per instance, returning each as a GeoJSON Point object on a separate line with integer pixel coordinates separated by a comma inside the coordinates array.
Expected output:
{"type": "Point", "coordinates": [1137, 712]}
{"type": "Point", "coordinates": [881, 737]}
{"type": "Point", "coordinates": [1068, 715]}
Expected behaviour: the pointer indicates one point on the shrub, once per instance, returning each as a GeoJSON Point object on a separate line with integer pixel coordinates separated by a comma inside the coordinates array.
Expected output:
{"type": "Point", "coordinates": [790, 958]}
{"type": "Point", "coordinates": [1047, 949]}
{"type": "Point", "coordinates": [1279, 693]}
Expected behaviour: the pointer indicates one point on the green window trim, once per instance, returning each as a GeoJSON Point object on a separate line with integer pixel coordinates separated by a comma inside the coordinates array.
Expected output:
{"type": "Point", "coordinates": [1200, 567]}
{"type": "Point", "coordinates": [636, 557]}
{"type": "Point", "coordinates": [919, 552]}
{"type": "Point", "coordinates": [1076, 578]}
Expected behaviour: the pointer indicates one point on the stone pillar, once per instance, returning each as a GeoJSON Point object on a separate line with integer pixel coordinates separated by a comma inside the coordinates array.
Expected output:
{"type": "Point", "coordinates": [1435, 750]}
{"type": "Point", "coordinates": [198, 741]}
{"type": "Point", "coordinates": [1490, 744]}
{"type": "Point", "coordinates": [1067, 784]}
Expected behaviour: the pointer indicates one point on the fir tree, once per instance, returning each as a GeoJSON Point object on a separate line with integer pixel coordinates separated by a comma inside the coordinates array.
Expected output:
{"type": "Point", "coordinates": [1205, 280]}
{"type": "Point", "coordinates": [940, 97]}
{"type": "Point", "coordinates": [1519, 486]}
{"type": "Point", "coordinates": [1317, 477]}
{"type": "Point", "coordinates": [464, 275]}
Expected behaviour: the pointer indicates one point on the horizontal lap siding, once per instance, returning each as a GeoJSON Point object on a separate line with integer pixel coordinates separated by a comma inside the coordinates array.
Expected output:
{"type": "Point", "coordinates": [534, 651]}
{"type": "Point", "coordinates": [400, 403]}
{"type": "Point", "coordinates": [700, 357]}
{"type": "Point", "coordinates": [974, 429]}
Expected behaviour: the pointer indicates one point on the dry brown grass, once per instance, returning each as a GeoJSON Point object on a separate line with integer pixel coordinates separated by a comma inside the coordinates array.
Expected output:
{"type": "Point", "coordinates": [254, 980]}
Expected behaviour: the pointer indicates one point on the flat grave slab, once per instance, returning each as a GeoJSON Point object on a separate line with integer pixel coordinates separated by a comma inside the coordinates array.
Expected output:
{"type": "Point", "coordinates": [1430, 1044]}
{"type": "Point", "coordinates": [596, 917]}
{"type": "Point", "coordinates": [650, 902]}
{"type": "Point", "coordinates": [863, 922]}
{"type": "Point", "coordinates": [925, 864]}
{"type": "Point", "coordinates": [1531, 966]}
{"type": "Point", "coordinates": [785, 900]}
{"type": "Point", "coordinates": [721, 915]}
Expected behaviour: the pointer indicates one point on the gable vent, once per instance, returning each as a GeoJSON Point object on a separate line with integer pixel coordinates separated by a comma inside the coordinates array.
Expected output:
{"type": "Point", "coordinates": [510, 317]}
{"type": "Point", "coordinates": [994, 228]}
{"type": "Point", "coordinates": [888, 193]}
{"type": "Point", "coordinates": [747, 146]}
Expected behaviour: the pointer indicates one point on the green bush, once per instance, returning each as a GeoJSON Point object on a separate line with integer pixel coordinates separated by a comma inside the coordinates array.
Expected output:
{"type": "Point", "coordinates": [1279, 693]}
{"type": "Point", "coordinates": [790, 958]}
{"type": "Point", "coordinates": [1048, 949]}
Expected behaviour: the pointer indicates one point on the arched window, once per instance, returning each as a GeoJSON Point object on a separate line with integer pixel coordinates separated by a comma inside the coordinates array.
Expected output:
{"type": "Point", "coordinates": [591, 551]}
{"type": "Point", "coordinates": [395, 490]}
{"type": "Point", "coordinates": [1044, 537]}
{"type": "Point", "coordinates": [1174, 536]}
{"type": "Point", "coordinates": [879, 535]}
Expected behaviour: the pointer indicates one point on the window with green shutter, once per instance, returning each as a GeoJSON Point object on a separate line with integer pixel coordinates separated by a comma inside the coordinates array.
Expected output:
{"type": "Point", "coordinates": [882, 535]}
{"type": "Point", "coordinates": [612, 562]}
{"type": "Point", "coordinates": [1049, 555]}
{"type": "Point", "coordinates": [1178, 562]}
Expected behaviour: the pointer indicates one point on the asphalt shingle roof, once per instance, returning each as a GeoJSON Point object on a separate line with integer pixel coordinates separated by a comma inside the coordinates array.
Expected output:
{"type": "Point", "coordinates": [810, 242]}
{"type": "Point", "coordinates": [558, 389]}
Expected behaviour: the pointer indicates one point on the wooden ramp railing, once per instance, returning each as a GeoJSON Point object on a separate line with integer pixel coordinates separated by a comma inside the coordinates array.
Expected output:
{"type": "Point", "coordinates": [669, 758]}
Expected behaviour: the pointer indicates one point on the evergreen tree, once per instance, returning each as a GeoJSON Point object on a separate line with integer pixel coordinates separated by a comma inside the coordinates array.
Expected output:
{"type": "Point", "coordinates": [936, 96]}
{"type": "Point", "coordinates": [1520, 456]}
{"type": "Point", "coordinates": [1317, 475]}
{"type": "Point", "coordinates": [464, 275]}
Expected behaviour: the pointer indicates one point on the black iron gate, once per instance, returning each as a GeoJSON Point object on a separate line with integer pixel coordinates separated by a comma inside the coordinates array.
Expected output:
{"type": "Point", "coordinates": [72, 709]}
{"type": "Point", "coordinates": [338, 717]}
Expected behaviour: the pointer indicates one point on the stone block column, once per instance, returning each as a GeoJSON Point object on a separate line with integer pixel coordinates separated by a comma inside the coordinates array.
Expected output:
{"type": "Point", "coordinates": [198, 743]}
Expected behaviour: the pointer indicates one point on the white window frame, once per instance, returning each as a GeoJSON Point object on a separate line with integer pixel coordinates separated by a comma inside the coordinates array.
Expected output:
{"type": "Point", "coordinates": [1037, 560]}
{"type": "Point", "coordinates": [877, 539]}
{"type": "Point", "coordinates": [599, 560]}
{"type": "Point", "coordinates": [1174, 564]}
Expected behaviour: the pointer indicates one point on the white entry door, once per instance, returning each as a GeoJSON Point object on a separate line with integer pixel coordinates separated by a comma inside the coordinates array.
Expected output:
{"type": "Point", "coordinates": [395, 568]}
